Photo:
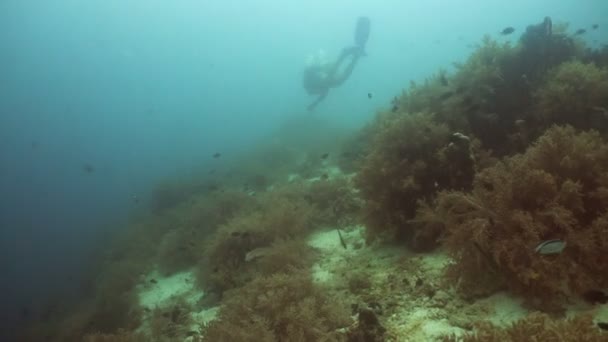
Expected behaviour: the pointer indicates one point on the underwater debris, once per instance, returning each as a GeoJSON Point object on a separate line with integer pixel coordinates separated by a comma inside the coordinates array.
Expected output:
{"type": "Point", "coordinates": [217, 155]}
{"type": "Point", "coordinates": [580, 31]}
{"type": "Point", "coordinates": [548, 247]}
{"type": "Point", "coordinates": [507, 31]}
{"type": "Point", "coordinates": [595, 297]}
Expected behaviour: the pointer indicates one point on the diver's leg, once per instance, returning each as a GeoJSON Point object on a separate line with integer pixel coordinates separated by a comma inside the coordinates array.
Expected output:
{"type": "Point", "coordinates": [339, 78]}
{"type": "Point", "coordinates": [321, 97]}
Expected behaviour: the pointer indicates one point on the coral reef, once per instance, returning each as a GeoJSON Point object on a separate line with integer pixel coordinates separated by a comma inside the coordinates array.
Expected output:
{"type": "Point", "coordinates": [469, 160]}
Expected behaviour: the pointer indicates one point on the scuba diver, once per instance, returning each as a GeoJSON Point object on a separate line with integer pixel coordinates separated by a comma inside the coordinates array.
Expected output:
{"type": "Point", "coordinates": [321, 75]}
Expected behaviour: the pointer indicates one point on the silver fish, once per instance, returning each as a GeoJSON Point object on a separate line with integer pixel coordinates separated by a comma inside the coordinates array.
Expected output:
{"type": "Point", "coordinates": [547, 247]}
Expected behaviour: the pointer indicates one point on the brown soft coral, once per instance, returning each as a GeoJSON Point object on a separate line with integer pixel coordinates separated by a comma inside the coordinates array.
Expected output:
{"type": "Point", "coordinates": [280, 307]}
{"type": "Point", "coordinates": [411, 158]}
{"type": "Point", "coordinates": [556, 190]}
{"type": "Point", "coordinates": [283, 215]}
{"type": "Point", "coordinates": [575, 93]}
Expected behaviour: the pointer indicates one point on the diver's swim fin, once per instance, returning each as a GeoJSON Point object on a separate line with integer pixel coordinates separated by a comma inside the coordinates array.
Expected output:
{"type": "Point", "coordinates": [362, 32]}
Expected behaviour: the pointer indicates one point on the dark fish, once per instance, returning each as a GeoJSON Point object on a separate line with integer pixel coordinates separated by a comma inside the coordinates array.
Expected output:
{"type": "Point", "coordinates": [595, 26]}
{"type": "Point", "coordinates": [507, 31]}
{"type": "Point", "coordinates": [324, 176]}
{"type": "Point", "coordinates": [602, 325]}
{"type": "Point", "coordinates": [580, 31]}
{"type": "Point", "coordinates": [324, 156]}
{"type": "Point", "coordinates": [369, 95]}
{"type": "Point", "coordinates": [135, 199]}
{"type": "Point", "coordinates": [217, 155]}
{"type": "Point", "coordinates": [341, 239]}
{"type": "Point", "coordinates": [394, 109]}
{"type": "Point", "coordinates": [595, 297]}
{"type": "Point", "coordinates": [88, 168]}
{"type": "Point", "coordinates": [212, 171]}
{"type": "Point", "coordinates": [153, 281]}
{"type": "Point", "coordinates": [35, 145]}
{"type": "Point", "coordinates": [446, 95]}
{"type": "Point", "coordinates": [547, 247]}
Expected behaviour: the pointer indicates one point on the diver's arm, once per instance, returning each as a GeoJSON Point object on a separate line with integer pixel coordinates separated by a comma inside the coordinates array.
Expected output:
{"type": "Point", "coordinates": [321, 97]}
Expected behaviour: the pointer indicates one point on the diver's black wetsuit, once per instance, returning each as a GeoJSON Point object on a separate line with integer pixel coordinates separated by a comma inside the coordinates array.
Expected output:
{"type": "Point", "coordinates": [320, 78]}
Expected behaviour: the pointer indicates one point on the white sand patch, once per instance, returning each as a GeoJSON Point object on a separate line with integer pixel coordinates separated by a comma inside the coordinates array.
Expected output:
{"type": "Point", "coordinates": [158, 291]}
{"type": "Point", "coordinates": [507, 309]}
{"type": "Point", "coordinates": [205, 316]}
{"type": "Point", "coordinates": [423, 324]}
{"type": "Point", "coordinates": [333, 254]}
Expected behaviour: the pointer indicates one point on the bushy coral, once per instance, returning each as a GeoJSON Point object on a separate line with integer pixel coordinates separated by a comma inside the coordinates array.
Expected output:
{"type": "Point", "coordinates": [280, 307]}
{"type": "Point", "coordinates": [409, 159]}
{"type": "Point", "coordinates": [558, 189]}
{"type": "Point", "coordinates": [283, 215]}
{"type": "Point", "coordinates": [575, 93]}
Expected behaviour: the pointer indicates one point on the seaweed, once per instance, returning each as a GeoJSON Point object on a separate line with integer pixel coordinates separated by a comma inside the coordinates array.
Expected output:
{"type": "Point", "coordinates": [411, 158]}
{"type": "Point", "coordinates": [279, 307]}
{"type": "Point", "coordinates": [575, 93]}
{"type": "Point", "coordinates": [283, 215]}
{"type": "Point", "coordinates": [556, 190]}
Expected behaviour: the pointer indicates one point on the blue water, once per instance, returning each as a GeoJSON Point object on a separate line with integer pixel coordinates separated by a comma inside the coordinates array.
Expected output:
{"type": "Point", "coordinates": [147, 90]}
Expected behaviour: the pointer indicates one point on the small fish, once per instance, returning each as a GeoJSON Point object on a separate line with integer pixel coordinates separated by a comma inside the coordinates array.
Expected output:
{"type": "Point", "coordinates": [217, 155]}
{"type": "Point", "coordinates": [602, 325]}
{"type": "Point", "coordinates": [369, 95]}
{"type": "Point", "coordinates": [88, 168]}
{"type": "Point", "coordinates": [153, 281]}
{"type": "Point", "coordinates": [507, 31]}
{"type": "Point", "coordinates": [595, 26]}
{"type": "Point", "coordinates": [135, 199]}
{"type": "Point", "coordinates": [580, 31]}
{"type": "Point", "coordinates": [394, 109]}
{"type": "Point", "coordinates": [324, 176]}
{"type": "Point", "coordinates": [547, 247]}
{"type": "Point", "coordinates": [324, 156]}
{"type": "Point", "coordinates": [595, 297]}
{"type": "Point", "coordinates": [341, 239]}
